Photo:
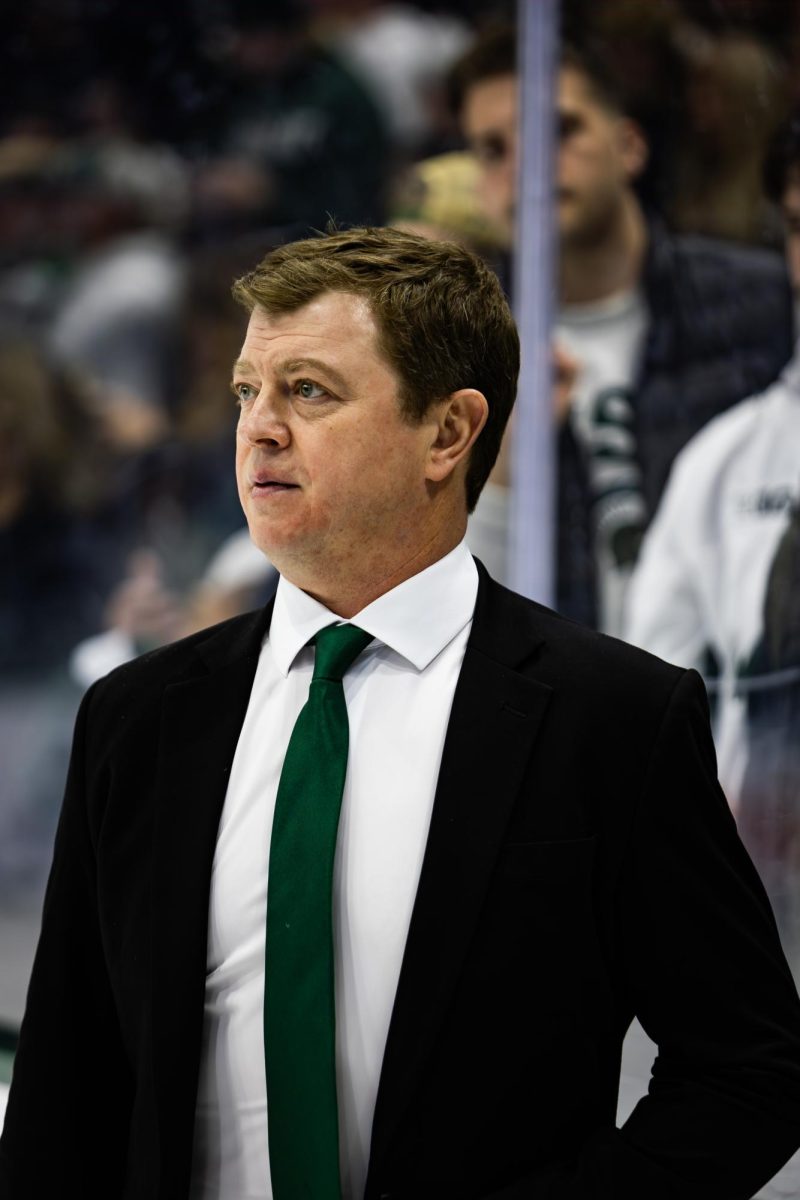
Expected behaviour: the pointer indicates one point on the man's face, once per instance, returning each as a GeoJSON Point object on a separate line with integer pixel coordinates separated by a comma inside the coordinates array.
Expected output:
{"type": "Point", "coordinates": [791, 218]}
{"type": "Point", "coordinates": [599, 153]}
{"type": "Point", "coordinates": [331, 476]}
{"type": "Point", "coordinates": [490, 126]}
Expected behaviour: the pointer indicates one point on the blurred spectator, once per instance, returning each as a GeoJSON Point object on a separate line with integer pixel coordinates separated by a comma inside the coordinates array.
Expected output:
{"type": "Point", "coordinates": [46, 55]}
{"type": "Point", "coordinates": [56, 565]}
{"type": "Point", "coordinates": [735, 99]}
{"type": "Point", "coordinates": [401, 54]}
{"type": "Point", "coordinates": [720, 573]}
{"type": "Point", "coordinates": [700, 584]}
{"type": "Point", "coordinates": [107, 143]}
{"type": "Point", "coordinates": [144, 612]}
{"type": "Point", "coordinates": [53, 470]}
{"type": "Point", "coordinates": [769, 802]}
{"type": "Point", "coordinates": [438, 198]}
{"type": "Point", "coordinates": [188, 565]}
{"type": "Point", "coordinates": [709, 82]}
{"type": "Point", "coordinates": [90, 258]}
{"type": "Point", "coordinates": [117, 318]}
{"type": "Point", "coordinates": [160, 54]}
{"type": "Point", "coordinates": [639, 48]}
{"type": "Point", "coordinates": [663, 332]}
{"type": "Point", "coordinates": [298, 138]}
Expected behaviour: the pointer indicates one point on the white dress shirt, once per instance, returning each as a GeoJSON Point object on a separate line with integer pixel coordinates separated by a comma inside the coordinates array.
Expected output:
{"type": "Point", "coordinates": [399, 693]}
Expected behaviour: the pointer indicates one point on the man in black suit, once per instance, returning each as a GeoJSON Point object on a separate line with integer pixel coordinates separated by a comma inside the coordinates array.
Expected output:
{"type": "Point", "coordinates": [532, 848]}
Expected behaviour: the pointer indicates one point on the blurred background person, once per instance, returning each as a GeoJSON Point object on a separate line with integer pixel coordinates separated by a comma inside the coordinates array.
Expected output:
{"type": "Point", "coordinates": [735, 100]}
{"type": "Point", "coordinates": [144, 611]}
{"type": "Point", "coordinates": [54, 476]}
{"type": "Point", "coordinates": [662, 331]}
{"type": "Point", "coordinates": [438, 198]}
{"type": "Point", "coordinates": [298, 137]}
{"type": "Point", "coordinates": [769, 802]}
{"type": "Point", "coordinates": [56, 504]}
{"type": "Point", "coordinates": [400, 52]}
{"type": "Point", "coordinates": [717, 584]}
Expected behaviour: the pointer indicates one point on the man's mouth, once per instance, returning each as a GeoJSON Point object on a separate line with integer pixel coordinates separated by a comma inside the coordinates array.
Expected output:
{"type": "Point", "coordinates": [266, 485]}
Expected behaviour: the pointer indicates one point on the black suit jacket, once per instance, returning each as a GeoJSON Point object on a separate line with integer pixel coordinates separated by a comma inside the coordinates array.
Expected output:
{"type": "Point", "coordinates": [582, 867]}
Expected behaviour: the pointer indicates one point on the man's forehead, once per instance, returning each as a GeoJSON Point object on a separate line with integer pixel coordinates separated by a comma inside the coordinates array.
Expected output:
{"type": "Point", "coordinates": [321, 318]}
{"type": "Point", "coordinates": [333, 328]}
{"type": "Point", "coordinates": [498, 96]}
{"type": "Point", "coordinates": [489, 98]}
{"type": "Point", "coordinates": [577, 90]}
{"type": "Point", "coordinates": [324, 306]}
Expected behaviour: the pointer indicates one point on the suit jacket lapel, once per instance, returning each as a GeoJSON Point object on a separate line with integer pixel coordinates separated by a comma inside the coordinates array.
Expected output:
{"type": "Point", "coordinates": [200, 724]}
{"type": "Point", "coordinates": [496, 714]}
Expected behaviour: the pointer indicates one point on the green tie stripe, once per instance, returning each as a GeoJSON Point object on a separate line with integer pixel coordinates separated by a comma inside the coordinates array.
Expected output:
{"type": "Point", "coordinates": [299, 1005]}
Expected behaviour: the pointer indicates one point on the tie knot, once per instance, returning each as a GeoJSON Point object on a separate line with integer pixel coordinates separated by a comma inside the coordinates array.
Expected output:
{"type": "Point", "coordinates": [337, 646]}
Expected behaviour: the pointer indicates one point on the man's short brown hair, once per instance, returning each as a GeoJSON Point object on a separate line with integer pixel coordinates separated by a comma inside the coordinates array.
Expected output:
{"type": "Point", "coordinates": [494, 54]}
{"type": "Point", "coordinates": [443, 321]}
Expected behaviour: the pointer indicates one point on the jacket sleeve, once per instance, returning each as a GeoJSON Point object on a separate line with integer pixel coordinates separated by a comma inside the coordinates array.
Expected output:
{"type": "Point", "coordinates": [703, 962]}
{"type": "Point", "coordinates": [66, 1125]}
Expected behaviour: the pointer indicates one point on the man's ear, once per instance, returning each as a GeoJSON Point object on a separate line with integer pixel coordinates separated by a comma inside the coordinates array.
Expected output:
{"type": "Point", "coordinates": [634, 150]}
{"type": "Point", "coordinates": [459, 419]}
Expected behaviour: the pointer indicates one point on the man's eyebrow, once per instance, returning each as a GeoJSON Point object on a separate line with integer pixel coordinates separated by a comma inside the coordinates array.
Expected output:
{"type": "Point", "coordinates": [314, 364]}
{"type": "Point", "coordinates": [243, 366]}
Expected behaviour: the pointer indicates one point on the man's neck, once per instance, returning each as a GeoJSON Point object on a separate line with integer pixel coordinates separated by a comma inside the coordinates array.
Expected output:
{"type": "Point", "coordinates": [347, 594]}
{"type": "Point", "coordinates": [612, 265]}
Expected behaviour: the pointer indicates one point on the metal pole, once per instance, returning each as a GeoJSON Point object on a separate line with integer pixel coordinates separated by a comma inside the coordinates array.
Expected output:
{"type": "Point", "coordinates": [531, 531]}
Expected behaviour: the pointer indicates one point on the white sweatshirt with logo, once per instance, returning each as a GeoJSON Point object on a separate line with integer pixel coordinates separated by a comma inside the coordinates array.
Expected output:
{"type": "Point", "coordinates": [702, 576]}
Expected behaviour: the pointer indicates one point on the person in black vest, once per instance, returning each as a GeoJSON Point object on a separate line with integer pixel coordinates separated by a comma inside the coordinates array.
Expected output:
{"type": "Point", "coordinates": [660, 332]}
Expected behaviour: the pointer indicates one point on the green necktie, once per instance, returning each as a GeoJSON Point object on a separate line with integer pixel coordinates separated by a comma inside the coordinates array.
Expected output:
{"type": "Point", "coordinates": [299, 1015]}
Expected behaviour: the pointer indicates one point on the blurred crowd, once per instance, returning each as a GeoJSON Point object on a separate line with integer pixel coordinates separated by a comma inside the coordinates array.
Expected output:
{"type": "Point", "coordinates": [149, 153]}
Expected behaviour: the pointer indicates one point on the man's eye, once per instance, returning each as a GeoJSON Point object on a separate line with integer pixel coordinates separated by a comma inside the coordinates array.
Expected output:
{"type": "Point", "coordinates": [491, 150]}
{"type": "Point", "coordinates": [308, 390]}
{"type": "Point", "coordinates": [243, 392]}
{"type": "Point", "coordinates": [568, 125]}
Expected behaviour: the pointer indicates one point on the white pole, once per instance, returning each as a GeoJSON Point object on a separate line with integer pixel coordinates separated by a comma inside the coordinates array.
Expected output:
{"type": "Point", "coordinates": [531, 532]}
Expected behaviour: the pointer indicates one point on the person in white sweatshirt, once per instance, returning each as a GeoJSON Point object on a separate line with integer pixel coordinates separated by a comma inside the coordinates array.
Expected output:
{"type": "Point", "coordinates": [699, 589]}
{"type": "Point", "coordinates": [718, 581]}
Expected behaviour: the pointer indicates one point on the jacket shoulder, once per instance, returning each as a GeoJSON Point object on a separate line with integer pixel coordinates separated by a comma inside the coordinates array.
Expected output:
{"type": "Point", "coordinates": [721, 293]}
{"type": "Point", "coordinates": [711, 260]}
{"type": "Point", "coordinates": [595, 661]}
{"type": "Point", "coordinates": [711, 254]}
{"type": "Point", "coordinates": [573, 657]}
{"type": "Point", "coordinates": [187, 657]}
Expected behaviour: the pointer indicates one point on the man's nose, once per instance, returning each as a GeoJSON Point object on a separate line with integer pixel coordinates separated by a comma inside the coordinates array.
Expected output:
{"type": "Point", "coordinates": [510, 169]}
{"type": "Point", "coordinates": [505, 178]}
{"type": "Point", "coordinates": [264, 421]}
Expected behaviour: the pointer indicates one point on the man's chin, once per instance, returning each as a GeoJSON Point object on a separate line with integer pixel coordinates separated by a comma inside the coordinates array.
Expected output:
{"type": "Point", "coordinates": [506, 230]}
{"type": "Point", "coordinates": [285, 549]}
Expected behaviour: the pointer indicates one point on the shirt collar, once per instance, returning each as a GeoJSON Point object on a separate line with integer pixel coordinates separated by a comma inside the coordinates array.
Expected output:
{"type": "Point", "coordinates": [416, 619]}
